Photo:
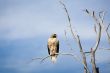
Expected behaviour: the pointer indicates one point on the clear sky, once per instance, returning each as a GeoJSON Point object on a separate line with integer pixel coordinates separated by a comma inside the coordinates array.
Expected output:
{"type": "Point", "coordinates": [25, 26]}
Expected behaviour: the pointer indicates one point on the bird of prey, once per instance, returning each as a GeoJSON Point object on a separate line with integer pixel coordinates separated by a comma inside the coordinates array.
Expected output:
{"type": "Point", "coordinates": [53, 47]}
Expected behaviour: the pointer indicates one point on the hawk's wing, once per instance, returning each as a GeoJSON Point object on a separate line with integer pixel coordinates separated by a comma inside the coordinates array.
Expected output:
{"type": "Point", "coordinates": [57, 50]}
{"type": "Point", "coordinates": [48, 49]}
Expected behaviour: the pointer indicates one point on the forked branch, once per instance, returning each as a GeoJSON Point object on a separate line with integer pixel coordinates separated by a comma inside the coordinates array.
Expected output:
{"type": "Point", "coordinates": [98, 28]}
{"type": "Point", "coordinates": [100, 20]}
{"type": "Point", "coordinates": [95, 69]}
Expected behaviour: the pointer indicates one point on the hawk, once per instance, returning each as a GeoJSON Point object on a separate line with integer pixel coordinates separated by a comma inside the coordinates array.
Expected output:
{"type": "Point", "coordinates": [53, 47]}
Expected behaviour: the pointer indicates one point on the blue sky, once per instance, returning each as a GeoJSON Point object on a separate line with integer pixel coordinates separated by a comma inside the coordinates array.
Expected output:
{"type": "Point", "coordinates": [25, 26]}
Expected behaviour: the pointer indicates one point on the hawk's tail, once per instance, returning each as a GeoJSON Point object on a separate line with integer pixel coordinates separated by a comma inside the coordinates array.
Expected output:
{"type": "Point", "coordinates": [53, 58]}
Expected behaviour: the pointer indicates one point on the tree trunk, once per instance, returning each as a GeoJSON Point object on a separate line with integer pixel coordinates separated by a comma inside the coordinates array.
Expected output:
{"type": "Point", "coordinates": [85, 63]}
{"type": "Point", "coordinates": [94, 68]}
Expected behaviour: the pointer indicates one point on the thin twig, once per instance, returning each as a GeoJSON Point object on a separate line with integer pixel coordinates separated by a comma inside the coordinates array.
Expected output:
{"type": "Point", "coordinates": [41, 59]}
{"type": "Point", "coordinates": [103, 26]}
{"type": "Point", "coordinates": [101, 16]}
{"type": "Point", "coordinates": [107, 27]}
{"type": "Point", "coordinates": [87, 52]}
{"type": "Point", "coordinates": [95, 28]}
{"type": "Point", "coordinates": [44, 58]}
{"type": "Point", "coordinates": [108, 33]}
{"type": "Point", "coordinates": [70, 54]}
{"type": "Point", "coordinates": [104, 49]}
{"type": "Point", "coordinates": [36, 58]}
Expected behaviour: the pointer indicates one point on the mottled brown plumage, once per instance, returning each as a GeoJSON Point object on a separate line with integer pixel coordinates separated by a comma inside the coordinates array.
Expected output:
{"type": "Point", "coordinates": [53, 47]}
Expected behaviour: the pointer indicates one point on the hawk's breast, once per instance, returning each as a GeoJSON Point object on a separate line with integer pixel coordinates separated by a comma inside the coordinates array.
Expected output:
{"type": "Point", "coordinates": [52, 43]}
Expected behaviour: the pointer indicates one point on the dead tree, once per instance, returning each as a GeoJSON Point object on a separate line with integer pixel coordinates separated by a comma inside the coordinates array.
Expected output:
{"type": "Point", "coordinates": [99, 28]}
{"type": "Point", "coordinates": [77, 38]}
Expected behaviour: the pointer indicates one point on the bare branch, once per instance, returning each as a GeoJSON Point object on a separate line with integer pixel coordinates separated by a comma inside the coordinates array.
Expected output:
{"type": "Point", "coordinates": [107, 27]}
{"type": "Point", "coordinates": [95, 28]}
{"type": "Point", "coordinates": [36, 58]}
{"type": "Point", "coordinates": [41, 59]}
{"type": "Point", "coordinates": [98, 38]}
{"type": "Point", "coordinates": [104, 49]}
{"type": "Point", "coordinates": [98, 24]}
{"type": "Point", "coordinates": [70, 54]}
{"type": "Point", "coordinates": [76, 37]}
{"type": "Point", "coordinates": [92, 14]}
{"type": "Point", "coordinates": [73, 33]}
{"type": "Point", "coordinates": [87, 52]}
{"type": "Point", "coordinates": [108, 33]}
{"type": "Point", "coordinates": [87, 11]}
{"type": "Point", "coordinates": [101, 16]}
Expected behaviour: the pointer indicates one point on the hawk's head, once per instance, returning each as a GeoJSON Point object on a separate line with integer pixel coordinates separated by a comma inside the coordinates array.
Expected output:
{"type": "Point", "coordinates": [54, 35]}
